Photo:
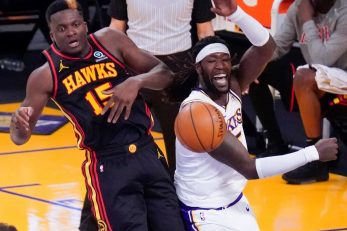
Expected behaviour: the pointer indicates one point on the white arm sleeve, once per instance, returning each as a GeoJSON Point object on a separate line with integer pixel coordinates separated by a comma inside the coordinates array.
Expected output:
{"type": "Point", "coordinates": [254, 31]}
{"type": "Point", "coordinates": [276, 165]}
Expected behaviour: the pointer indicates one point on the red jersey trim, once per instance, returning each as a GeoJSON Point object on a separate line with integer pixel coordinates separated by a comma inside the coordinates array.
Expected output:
{"type": "Point", "coordinates": [149, 114]}
{"type": "Point", "coordinates": [70, 57]}
{"type": "Point", "coordinates": [292, 97]}
{"type": "Point", "coordinates": [90, 172]}
{"type": "Point", "coordinates": [79, 133]}
{"type": "Point", "coordinates": [54, 72]}
{"type": "Point", "coordinates": [101, 47]}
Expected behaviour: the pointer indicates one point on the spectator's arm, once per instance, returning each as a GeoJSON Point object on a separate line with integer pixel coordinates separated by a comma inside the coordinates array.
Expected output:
{"type": "Point", "coordinates": [285, 36]}
{"type": "Point", "coordinates": [327, 51]}
{"type": "Point", "coordinates": [204, 29]}
{"type": "Point", "coordinates": [202, 16]}
{"type": "Point", "coordinates": [118, 24]}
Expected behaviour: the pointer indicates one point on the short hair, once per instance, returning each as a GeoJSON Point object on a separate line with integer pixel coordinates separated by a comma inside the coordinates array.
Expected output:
{"type": "Point", "coordinates": [60, 5]}
{"type": "Point", "coordinates": [204, 42]}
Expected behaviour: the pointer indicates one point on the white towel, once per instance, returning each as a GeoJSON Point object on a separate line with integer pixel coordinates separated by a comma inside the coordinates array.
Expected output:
{"type": "Point", "coordinates": [330, 79]}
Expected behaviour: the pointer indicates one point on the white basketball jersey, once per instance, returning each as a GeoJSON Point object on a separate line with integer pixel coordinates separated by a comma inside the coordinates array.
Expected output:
{"type": "Point", "coordinates": [200, 180]}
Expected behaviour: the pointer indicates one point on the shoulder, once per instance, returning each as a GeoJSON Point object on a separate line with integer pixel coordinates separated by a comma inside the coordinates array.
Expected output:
{"type": "Point", "coordinates": [108, 35]}
{"type": "Point", "coordinates": [43, 71]}
{"type": "Point", "coordinates": [41, 78]}
{"type": "Point", "coordinates": [115, 41]}
{"type": "Point", "coordinates": [293, 8]}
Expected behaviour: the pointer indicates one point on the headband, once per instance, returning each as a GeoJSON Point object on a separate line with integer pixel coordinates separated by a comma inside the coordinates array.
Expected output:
{"type": "Point", "coordinates": [210, 49]}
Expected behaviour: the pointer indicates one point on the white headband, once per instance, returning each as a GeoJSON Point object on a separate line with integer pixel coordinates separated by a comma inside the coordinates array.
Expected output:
{"type": "Point", "coordinates": [211, 48]}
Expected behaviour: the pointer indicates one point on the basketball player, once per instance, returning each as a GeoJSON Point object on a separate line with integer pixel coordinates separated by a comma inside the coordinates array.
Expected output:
{"type": "Point", "coordinates": [87, 77]}
{"type": "Point", "coordinates": [210, 185]}
{"type": "Point", "coordinates": [162, 28]}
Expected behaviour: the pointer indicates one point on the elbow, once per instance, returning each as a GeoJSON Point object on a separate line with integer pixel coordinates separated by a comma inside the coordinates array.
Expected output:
{"type": "Point", "coordinates": [266, 52]}
{"type": "Point", "coordinates": [169, 74]}
{"type": "Point", "coordinates": [169, 78]}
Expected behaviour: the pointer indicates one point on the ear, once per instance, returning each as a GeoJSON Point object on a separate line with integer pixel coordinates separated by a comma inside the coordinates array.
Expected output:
{"type": "Point", "coordinates": [51, 36]}
{"type": "Point", "coordinates": [85, 24]}
{"type": "Point", "coordinates": [198, 68]}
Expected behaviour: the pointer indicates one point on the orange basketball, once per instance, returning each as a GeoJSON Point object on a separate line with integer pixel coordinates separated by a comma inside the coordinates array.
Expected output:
{"type": "Point", "coordinates": [200, 127]}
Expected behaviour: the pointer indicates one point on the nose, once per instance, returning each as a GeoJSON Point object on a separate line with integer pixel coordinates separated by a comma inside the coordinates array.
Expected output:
{"type": "Point", "coordinates": [71, 31]}
{"type": "Point", "coordinates": [219, 64]}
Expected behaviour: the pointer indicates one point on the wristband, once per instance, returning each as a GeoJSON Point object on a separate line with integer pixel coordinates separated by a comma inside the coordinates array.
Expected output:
{"type": "Point", "coordinates": [254, 31]}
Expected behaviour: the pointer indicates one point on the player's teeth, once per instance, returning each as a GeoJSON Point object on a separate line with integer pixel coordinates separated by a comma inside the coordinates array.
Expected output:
{"type": "Point", "coordinates": [220, 75]}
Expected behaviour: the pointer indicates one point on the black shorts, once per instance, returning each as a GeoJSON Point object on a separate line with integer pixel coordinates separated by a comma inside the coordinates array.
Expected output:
{"type": "Point", "coordinates": [130, 188]}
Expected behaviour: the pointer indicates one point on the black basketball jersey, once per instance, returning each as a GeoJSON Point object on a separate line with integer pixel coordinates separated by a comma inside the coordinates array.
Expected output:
{"type": "Point", "coordinates": [78, 84]}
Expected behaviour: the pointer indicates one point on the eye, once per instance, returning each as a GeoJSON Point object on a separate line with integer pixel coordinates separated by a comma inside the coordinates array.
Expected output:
{"type": "Point", "coordinates": [211, 60]}
{"type": "Point", "coordinates": [61, 29]}
{"type": "Point", "coordinates": [76, 24]}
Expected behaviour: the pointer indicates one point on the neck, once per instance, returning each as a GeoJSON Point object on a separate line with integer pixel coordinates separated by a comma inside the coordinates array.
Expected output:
{"type": "Point", "coordinates": [221, 99]}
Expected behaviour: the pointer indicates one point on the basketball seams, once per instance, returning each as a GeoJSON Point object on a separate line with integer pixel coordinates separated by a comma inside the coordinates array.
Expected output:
{"type": "Point", "coordinates": [200, 127]}
{"type": "Point", "coordinates": [194, 127]}
{"type": "Point", "coordinates": [213, 126]}
{"type": "Point", "coordinates": [177, 130]}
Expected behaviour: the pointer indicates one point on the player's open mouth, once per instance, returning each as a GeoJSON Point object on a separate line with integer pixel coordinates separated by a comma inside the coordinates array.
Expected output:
{"type": "Point", "coordinates": [220, 79]}
{"type": "Point", "coordinates": [74, 43]}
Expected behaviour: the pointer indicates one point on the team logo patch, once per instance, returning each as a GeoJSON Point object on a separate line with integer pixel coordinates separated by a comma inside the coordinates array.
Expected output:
{"type": "Point", "coordinates": [62, 66]}
{"type": "Point", "coordinates": [46, 125]}
{"type": "Point", "coordinates": [99, 56]}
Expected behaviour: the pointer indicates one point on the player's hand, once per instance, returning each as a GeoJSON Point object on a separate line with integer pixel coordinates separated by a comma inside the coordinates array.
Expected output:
{"type": "Point", "coordinates": [122, 98]}
{"type": "Point", "coordinates": [20, 118]}
{"type": "Point", "coordinates": [224, 7]}
{"type": "Point", "coordinates": [327, 149]}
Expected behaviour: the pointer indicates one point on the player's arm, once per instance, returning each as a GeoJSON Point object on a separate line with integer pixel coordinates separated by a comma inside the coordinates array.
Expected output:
{"type": "Point", "coordinates": [23, 121]}
{"type": "Point", "coordinates": [263, 46]}
{"type": "Point", "coordinates": [152, 73]}
{"type": "Point", "coordinates": [232, 153]}
{"type": "Point", "coordinates": [253, 62]}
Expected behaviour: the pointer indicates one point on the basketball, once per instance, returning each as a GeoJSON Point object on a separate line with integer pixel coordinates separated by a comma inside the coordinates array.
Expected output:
{"type": "Point", "coordinates": [200, 127]}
